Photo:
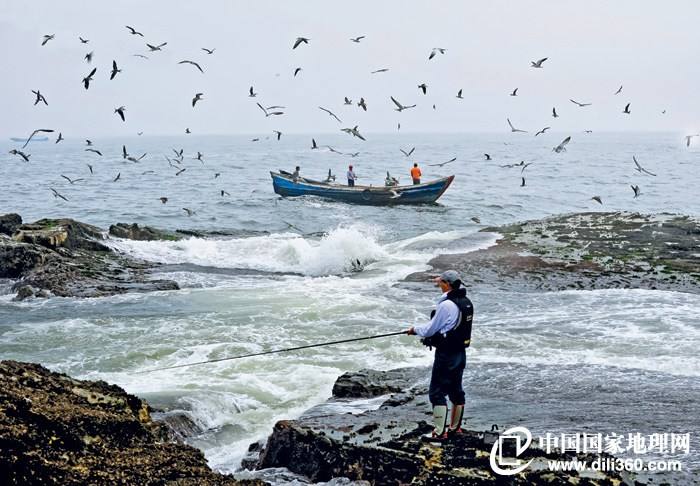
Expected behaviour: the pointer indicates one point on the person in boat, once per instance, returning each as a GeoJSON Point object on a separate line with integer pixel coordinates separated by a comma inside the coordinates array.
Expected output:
{"type": "Point", "coordinates": [415, 174]}
{"type": "Point", "coordinates": [351, 177]}
{"type": "Point", "coordinates": [449, 332]}
{"type": "Point", "coordinates": [390, 181]}
{"type": "Point", "coordinates": [295, 174]}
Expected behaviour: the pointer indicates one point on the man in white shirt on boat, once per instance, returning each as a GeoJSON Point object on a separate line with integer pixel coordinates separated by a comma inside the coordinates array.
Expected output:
{"type": "Point", "coordinates": [351, 177]}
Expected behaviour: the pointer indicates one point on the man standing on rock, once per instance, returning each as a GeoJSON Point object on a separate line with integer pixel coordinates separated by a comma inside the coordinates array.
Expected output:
{"type": "Point", "coordinates": [449, 332]}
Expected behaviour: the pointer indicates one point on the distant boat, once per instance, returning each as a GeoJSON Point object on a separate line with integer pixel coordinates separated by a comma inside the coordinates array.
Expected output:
{"type": "Point", "coordinates": [35, 139]}
{"type": "Point", "coordinates": [429, 192]}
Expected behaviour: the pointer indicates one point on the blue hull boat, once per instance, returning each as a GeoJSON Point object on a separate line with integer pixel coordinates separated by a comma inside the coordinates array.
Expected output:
{"type": "Point", "coordinates": [429, 192]}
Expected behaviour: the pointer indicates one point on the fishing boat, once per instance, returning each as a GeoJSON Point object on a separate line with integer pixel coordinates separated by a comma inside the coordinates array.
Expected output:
{"type": "Point", "coordinates": [429, 192]}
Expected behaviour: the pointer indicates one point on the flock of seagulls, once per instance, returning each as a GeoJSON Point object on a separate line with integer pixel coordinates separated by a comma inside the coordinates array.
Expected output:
{"type": "Point", "coordinates": [176, 162]}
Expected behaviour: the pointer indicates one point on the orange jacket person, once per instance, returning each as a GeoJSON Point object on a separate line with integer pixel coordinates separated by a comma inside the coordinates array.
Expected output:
{"type": "Point", "coordinates": [415, 174]}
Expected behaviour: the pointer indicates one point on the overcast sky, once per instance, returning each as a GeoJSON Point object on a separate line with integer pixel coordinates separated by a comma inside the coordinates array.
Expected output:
{"type": "Point", "coordinates": [650, 47]}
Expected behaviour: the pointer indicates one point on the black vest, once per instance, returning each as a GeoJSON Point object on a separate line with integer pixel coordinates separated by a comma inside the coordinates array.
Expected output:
{"type": "Point", "coordinates": [459, 337]}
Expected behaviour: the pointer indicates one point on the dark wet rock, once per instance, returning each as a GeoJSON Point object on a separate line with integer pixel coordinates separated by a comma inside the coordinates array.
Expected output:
{"type": "Point", "coordinates": [141, 233]}
{"type": "Point", "coordinates": [9, 223]}
{"type": "Point", "coordinates": [382, 443]}
{"type": "Point", "coordinates": [585, 251]}
{"type": "Point", "coordinates": [67, 258]}
{"type": "Point", "coordinates": [58, 430]}
{"type": "Point", "coordinates": [180, 424]}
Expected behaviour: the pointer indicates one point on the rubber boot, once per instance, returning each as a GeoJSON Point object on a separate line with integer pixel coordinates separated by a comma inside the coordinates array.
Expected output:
{"type": "Point", "coordinates": [456, 420]}
{"type": "Point", "coordinates": [439, 434]}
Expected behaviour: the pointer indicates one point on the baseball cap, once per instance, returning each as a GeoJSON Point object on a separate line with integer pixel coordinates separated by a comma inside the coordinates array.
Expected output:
{"type": "Point", "coordinates": [450, 276]}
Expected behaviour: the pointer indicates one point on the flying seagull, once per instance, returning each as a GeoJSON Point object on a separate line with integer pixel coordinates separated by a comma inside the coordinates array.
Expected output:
{"type": "Point", "coordinates": [120, 111]}
{"type": "Point", "coordinates": [331, 114]}
{"type": "Point", "coordinates": [459, 94]}
{"type": "Point", "coordinates": [278, 133]}
{"type": "Point", "coordinates": [163, 199]}
{"type": "Point", "coordinates": [641, 169]}
{"type": "Point", "coordinates": [488, 157]}
{"type": "Point", "coordinates": [522, 184]}
{"type": "Point", "coordinates": [353, 131]}
{"type": "Point", "coordinates": [580, 104]}
{"type": "Point", "coordinates": [140, 55]}
{"type": "Point", "coordinates": [57, 195]}
{"type": "Point", "coordinates": [399, 106]}
{"type": "Point", "coordinates": [119, 176]}
{"type": "Point", "coordinates": [562, 146]}
{"type": "Point", "coordinates": [47, 38]}
{"type": "Point", "coordinates": [627, 109]}
{"type": "Point", "coordinates": [382, 70]}
{"type": "Point", "coordinates": [515, 92]}
{"type": "Point", "coordinates": [357, 40]}
{"type": "Point", "coordinates": [133, 31]}
{"type": "Point", "coordinates": [597, 199]}
{"type": "Point", "coordinates": [39, 130]}
{"type": "Point", "coordinates": [513, 129]}
{"type": "Point", "coordinates": [72, 181]}
{"type": "Point", "coordinates": [269, 113]}
{"type": "Point", "coordinates": [60, 137]}
{"type": "Point", "coordinates": [208, 51]}
{"type": "Point", "coordinates": [134, 159]}
{"type": "Point", "coordinates": [251, 93]}
{"type": "Point", "coordinates": [554, 113]}
{"type": "Point", "coordinates": [542, 131]}
{"type": "Point", "coordinates": [159, 47]}
{"type": "Point", "coordinates": [94, 151]}
{"type": "Point", "coordinates": [197, 97]}
{"type": "Point", "coordinates": [313, 144]}
{"type": "Point", "coordinates": [189, 211]}
{"type": "Point", "coordinates": [296, 71]}
{"type": "Point", "coordinates": [407, 154]}
{"type": "Point", "coordinates": [688, 138]}
{"type": "Point", "coordinates": [423, 87]}
{"type": "Point", "coordinates": [619, 90]}
{"type": "Point", "coordinates": [21, 154]}
{"type": "Point", "coordinates": [636, 190]}
{"type": "Point", "coordinates": [39, 98]}
{"type": "Point", "coordinates": [299, 41]}
{"type": "Point", "coordinates": [435, 50]}
{"type": "Point", "coordinates": [115, 70]}
{"type": "Point", "coordinates": [538, 64]}
{"type": "Point", "coordinates": [83, 41]}
{"type": "Point", "coordinates": [362, 104]}
{"type": "Point", "coordinates": [88, 56]}
{"type": "Point", "coordinates": [347, 101]}
{"type": "Point", "coordinates": [88, 78]}
{"type": "Point", "coordinates": [192, 63]}
{"type": "Point", "coordinates": [441, 164]}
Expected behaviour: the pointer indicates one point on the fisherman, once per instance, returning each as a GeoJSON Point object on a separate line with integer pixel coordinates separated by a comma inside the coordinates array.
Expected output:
{"type": "Point", "coordinates": [449, 332]}
{"type": "Point", "coordinates": [295, 175]}
{"type": "Point", "coordinates": [415, 174]}
{"type": "Point", "coordinates": [351, 177]}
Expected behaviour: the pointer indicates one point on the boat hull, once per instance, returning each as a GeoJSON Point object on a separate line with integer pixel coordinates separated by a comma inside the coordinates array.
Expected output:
{"type": "Point", "coordinates": [427, 193]}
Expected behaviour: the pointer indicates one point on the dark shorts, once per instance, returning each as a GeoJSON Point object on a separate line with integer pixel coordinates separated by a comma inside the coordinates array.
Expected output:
{"type": "Point", "coordinates": [416, 182]}
{"type": "Point", "coordinates": [351, 182]}
{"type": "Point", "coordinates": [446, 379]}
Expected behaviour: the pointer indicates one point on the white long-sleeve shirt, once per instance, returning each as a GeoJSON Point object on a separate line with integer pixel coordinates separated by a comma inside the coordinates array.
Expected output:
{"type": "Point", "coordinates": [446, 317]}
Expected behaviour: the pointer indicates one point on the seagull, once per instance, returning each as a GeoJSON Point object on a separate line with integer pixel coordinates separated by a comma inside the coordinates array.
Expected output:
{"type": "Point", "coordinates": [156, 48]}
{"type": "Point", "coordinates": [120, 111]}
{"type": "Point", "coordinates": [459, 94]}
{"type": "Point", "coordinates": [357, 40]}
{"type": "Point", "coordinates": [296, 71]}
{"type": "Point", "coordinates": [163, 199]}
{"type": "Point", "coordinates": [60, 137]}
{"type": "Point", "coordinates": [597, 199]}
{"type": "Point", "coordinates": [522, 184]}
{"type": "Point", "coordinates": [636, 190]}
{"type": "Point", "coordinates": [688, 138]}
{"type": "Point", "coordinates": [134, 159]}
{"type": "Point", "coordinates": [580, 104]}
{"type": "Point", "coordinates": [641, 169]}
{"type": "Point", "coordinates": [524, 166]}
{"type": "Point", "coordinates": [133, 31]}
{"type": "Point", "coordinates": [279, 134]}
{"type": "Point", "coordinates": [313, 144]}
{"type": "Point", "coordinates": [435, 50]}
{"type": "Point", "coordinates": [269, 113]}
{"type": "Point", "coordinates": [423, 87]}
{"type": "Point", "coordinates": [347, 101]}
{"type": "Point", "coordinates": [562, 146]}
{"type": "Point", "coordinates": [382, 70]}
{"type": "Point", "coordinates": [488, 157]}
{"type": "Point", "coordinates": [88, 142]}
{"type": "Point", "coordinates": [619, 90]}
{"type": "Point", "coordinates": [251, 93]}
{"type": "Point", "coordinates": [88, 78]}
{"type": "Point", "coordinates": [627, 109]}
{"type": "Point", "coordinates": [21, 154]}
{"type": "Point", "coordinates": [299, 41]}
{"type": "Point", "coordinates": [90, 167]}
{"type": "Point", "coordinates": [115, 70]}
{"type": "Point", "coordinates": [197, 97]}
{"type": "Point", "coordinates": [512, 128]}
{"type": "Point", "coordinates": [354, 154]}
{"type": "Point", "coordinates": [476, 219]}
{"type": "Point", "coordinates": [56, 194]}
{"type": "Point", "coordinates": [95, 151]}
{"type": "Point", "coordinates": [399, 106]}
{"type": "Point", "coordinates": [140, 55]}
{"type": "Point", "coordinates": [330, 113]}
{"type": "Point", "coordinates": [354, 132]}
{"type": "Point", "coordinates": [180, 171]}
{"type": "Point", "coordinates": [88, 57]}
{"type": "Point", "coordinates": [515, 92]}
{"type": "Point", "coordinates": [199, 156]}
{"type": "Point", "coordinates": [119, 176]}
{"type": "Point", "coordinates": [124, 153]}
{"type": "Point", "coordinates": [362, 104]}
{"type": "Point", "coordinates": [187, 131]}
{"type": "Point", "coordinates": [192, 63]}
{"type": "Point", "coordinates": [441, 164]}
{"type": "Point", "coordinates": [407, 154]}
{"type": "Point", "coordinates": [208, 51]}
{"type": "Point", "coordinates": [39, 98]}
{"type": "Point", "coordinates": [554, 113]}
{"type": "Point", "coordinates": [538, 64]}
{"type": "Point", "coordinates": [83, 41]}
{"type": "Point", "coordinates": [40, 130]}
{"type": "Point", "coordinates": [224, 193]}
{"type": "Point", "coordinates": [188, 211]}
{"type": "Point", "coordinates": [542, 131]}
{"type": "Point", "coordinates": [47, 38]}
{"type": "Point", "coordinates": [72, 181]}
{"type": "Point", "coordinates": [588, 131]}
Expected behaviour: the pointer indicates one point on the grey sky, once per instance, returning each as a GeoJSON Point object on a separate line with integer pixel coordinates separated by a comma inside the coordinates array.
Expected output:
{"type": "Point", "coordinates": [593, 46]}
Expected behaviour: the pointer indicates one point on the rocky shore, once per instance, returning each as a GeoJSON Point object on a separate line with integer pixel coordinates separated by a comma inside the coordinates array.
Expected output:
{"type": "Point", "coordinates": [585, 251]}
{"type": "Point", "coordinates": [67, 258]}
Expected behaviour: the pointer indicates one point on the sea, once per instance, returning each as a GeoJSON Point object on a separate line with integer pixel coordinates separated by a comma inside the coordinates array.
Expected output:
{"type": "Point", "coordinates": [283, 273]}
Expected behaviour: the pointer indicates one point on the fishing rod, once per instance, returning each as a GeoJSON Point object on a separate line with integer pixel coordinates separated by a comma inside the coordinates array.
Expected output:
{"type": "Point", "coordinates": [275, 351]}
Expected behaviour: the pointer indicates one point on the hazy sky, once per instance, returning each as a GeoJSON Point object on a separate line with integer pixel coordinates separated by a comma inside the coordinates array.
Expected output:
{"type": "Point", "coordinates": [650, 47]}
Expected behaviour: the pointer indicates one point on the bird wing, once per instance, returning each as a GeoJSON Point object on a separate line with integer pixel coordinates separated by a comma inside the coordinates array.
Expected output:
{"type": "Point", "coordinates": [510, 124]}
{"type": "Point", "coordinates": [542, 60]}
{"type": "Point", "coordinates": [297, 42]}
{"type": "Point", "coordinates": [396, 102]}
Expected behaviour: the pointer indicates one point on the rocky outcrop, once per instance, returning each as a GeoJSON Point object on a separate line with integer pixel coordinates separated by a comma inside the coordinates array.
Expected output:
{"type": "Point", "coordinates": [58, 430]}
{"type": "Point", "coordinates": [379, 440]}
{"type": "Point", "coordinates": [585, 251]}
{"type": "Point", "coordinates": [9, 223]}
{"type": "Point", "coordinates": [67, 258]}
{"type": "Point", "coordinates": [141, 233]}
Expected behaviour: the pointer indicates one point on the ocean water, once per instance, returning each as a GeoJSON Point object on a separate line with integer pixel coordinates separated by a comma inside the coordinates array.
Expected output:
{"type": "Point", "coordinates": [619, 361]}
